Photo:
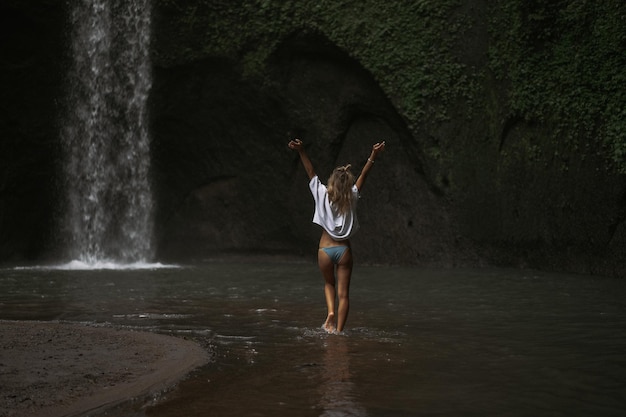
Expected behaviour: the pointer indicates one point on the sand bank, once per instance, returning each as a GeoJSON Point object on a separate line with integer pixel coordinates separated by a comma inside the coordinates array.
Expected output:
{"type": "Point", "coordinates": [63, 369]}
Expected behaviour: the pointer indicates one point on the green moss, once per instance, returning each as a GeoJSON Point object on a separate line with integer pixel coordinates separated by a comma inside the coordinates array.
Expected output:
{"type": "Point", "coordinates": [564, 61]}
{"type": "Point", "coordinates": [407, 46]}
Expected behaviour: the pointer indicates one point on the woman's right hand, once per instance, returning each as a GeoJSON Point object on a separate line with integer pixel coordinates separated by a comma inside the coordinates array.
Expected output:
{"type": "Point", "coordinates": [377, 148]}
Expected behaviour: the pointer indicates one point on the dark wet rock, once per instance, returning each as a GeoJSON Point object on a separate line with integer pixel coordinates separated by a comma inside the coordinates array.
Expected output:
{"type": "Point", "coordinates": [479, 186]}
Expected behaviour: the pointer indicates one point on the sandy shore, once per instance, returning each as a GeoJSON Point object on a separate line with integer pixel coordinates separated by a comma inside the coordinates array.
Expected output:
{"type": "Point", "coordinates": [60, 369]}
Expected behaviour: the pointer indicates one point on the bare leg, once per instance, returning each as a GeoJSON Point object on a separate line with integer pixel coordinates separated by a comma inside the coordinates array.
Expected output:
{"type": "Point", "coordinates": [344, 273]}
{"type": "Point", "coordinates": [327, 268]}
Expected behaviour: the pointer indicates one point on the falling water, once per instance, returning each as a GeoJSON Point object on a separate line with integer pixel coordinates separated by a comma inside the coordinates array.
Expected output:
{"type": "Point", "coordinates": [109, 203]}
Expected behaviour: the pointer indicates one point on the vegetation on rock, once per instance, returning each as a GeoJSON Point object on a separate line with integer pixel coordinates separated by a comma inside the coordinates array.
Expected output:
{"type": "Point", "coordinates": [562, 62]}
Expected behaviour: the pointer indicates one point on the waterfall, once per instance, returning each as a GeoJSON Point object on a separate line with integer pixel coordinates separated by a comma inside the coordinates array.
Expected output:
{"type": "Point", "coordinates": [108, 213]}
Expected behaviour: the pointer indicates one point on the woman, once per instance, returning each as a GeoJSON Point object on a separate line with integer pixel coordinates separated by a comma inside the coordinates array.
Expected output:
{"type": "Point", "coordinates": [335, 212]}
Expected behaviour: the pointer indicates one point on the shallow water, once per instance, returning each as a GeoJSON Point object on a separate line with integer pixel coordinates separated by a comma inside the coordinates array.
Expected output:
{"type": "Point", "coordinates": [418, 342]}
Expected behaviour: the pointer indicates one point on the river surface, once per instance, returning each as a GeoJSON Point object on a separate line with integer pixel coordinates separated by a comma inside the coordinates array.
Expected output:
{"type": "Point", "coordinates": [418, 342]}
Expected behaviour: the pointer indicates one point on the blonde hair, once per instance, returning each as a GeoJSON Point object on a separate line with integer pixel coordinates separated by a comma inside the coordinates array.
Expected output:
{"type": "Point", "coordinates": [340, 188]}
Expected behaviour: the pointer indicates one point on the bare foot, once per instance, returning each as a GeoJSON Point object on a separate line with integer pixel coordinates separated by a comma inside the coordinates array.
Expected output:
{"type": "Point", "coordinates": [329, 324]}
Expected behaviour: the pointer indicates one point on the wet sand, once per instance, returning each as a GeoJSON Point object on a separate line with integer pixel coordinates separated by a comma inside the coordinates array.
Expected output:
{"type": "Point", "coordinates": [65, 369]}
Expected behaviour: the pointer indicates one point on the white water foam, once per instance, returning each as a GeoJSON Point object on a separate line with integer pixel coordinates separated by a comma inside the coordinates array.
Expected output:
{"type": "Point", "coordinates": [80, 265]}
{"type": "Point", "coordinates": [100, 265]}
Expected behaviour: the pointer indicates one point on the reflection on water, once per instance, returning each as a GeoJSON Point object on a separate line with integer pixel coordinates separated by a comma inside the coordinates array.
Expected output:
{"type": "Point", "coordinates": [337, 391]}
{"type": "Point", "coordinates": [418, 342]}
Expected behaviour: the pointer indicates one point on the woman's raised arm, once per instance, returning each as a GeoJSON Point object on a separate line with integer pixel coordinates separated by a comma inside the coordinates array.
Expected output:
{"type": "Point", "coordinates": [297, 145]}
{"type": "Point", "coordinates": [376, 149]}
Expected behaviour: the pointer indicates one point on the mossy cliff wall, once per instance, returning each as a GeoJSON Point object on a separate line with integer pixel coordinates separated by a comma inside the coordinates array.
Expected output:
{"type": "Point", "coordinates": [503, 120]}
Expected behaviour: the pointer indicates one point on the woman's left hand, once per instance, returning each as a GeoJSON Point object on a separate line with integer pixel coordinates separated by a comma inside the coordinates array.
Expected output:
{"type": "Point", "coordinates": [295, 144]}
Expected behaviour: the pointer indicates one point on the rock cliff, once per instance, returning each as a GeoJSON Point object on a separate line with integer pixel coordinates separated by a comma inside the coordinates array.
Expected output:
{"type": "Point", "coordinates": [503, 146]}
{"type": "Point", "coordinates": [33, 55]}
